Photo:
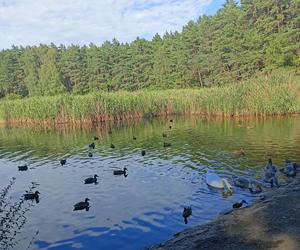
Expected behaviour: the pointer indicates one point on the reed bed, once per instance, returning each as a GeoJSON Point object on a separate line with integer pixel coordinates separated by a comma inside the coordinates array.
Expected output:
{"type": "Point", "coordinates": [278, 94]}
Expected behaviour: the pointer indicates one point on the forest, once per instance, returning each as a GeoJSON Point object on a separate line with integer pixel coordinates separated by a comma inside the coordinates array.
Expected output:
{"type": "Point", "coordinates": [239, 41]}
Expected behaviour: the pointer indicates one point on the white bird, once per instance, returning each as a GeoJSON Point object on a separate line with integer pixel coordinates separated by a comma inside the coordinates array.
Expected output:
{"type": "Point", "coordinates": [216, 181]}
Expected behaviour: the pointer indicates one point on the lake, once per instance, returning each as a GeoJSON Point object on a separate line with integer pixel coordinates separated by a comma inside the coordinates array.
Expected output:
{"type": "Point", "coordinates": [145, 207]}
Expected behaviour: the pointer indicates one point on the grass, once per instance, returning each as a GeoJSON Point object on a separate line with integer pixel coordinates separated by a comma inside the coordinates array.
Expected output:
{"type": "Point", "coordinates": [278, 94]}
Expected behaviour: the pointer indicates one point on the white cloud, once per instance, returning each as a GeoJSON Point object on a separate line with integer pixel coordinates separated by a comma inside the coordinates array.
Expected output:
{"type": "Point", "coordinates": [30, 22]}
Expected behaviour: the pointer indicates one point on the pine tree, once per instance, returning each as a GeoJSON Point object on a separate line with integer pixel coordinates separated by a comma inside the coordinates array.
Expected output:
{"type": "Point", "coordinates": [50, 80]}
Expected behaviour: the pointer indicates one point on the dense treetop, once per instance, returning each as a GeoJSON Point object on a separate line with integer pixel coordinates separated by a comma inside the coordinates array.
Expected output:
{"type": "Point", "coordinates": [235, 43]}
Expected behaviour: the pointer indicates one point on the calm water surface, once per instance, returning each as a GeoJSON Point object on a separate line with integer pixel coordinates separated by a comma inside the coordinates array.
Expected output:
{"type": "Point", "coordinates": [145, 207]}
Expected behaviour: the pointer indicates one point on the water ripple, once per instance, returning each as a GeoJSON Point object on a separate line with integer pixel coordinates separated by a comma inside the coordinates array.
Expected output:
{"type": "Point", "coordinates": [146, 206]}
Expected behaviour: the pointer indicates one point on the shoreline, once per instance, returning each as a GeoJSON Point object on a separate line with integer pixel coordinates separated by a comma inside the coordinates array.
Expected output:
{"type": "Point", "coordinates": [272, 222]}
{"type": "Point", "coordinates": [105, 122]}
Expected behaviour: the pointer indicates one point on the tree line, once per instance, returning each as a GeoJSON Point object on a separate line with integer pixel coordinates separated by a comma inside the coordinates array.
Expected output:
{"type": "Point", "coordinates": [235, 43]}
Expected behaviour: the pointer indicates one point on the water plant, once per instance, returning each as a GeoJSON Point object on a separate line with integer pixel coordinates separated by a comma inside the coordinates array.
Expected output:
{"type": "Point", "coordinates": [278, 94]}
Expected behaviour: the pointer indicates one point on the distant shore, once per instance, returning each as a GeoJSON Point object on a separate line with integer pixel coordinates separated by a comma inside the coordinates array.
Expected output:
{"type": "Point", "coordinates": [270, 223]}
{"type": "Point", "coordinates": [274, 96]}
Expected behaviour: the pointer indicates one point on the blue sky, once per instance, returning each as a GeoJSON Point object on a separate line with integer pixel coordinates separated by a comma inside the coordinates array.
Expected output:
{"type": "Point", "coordinates": [31, 22]}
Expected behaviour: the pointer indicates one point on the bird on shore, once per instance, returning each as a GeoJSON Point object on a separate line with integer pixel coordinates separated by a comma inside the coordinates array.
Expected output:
{"type": "Point", "coordinates": [164, 134]}
{"type": "Point", "coordinates": [171, 120]}
{"type": "Point", "coordinates": [215, 181]}
{"type": "Point", "coordinates": [239, 152]}
{"type": "Point", "coordinates": [134, 138]}
{"type": "Point", "coordinates": [32, 196]}
{"type": "Point", "coordinates": [109, 132]}
{"type": "Point", "coordinates": [170, 127]}
{"type": "Point", "coordinates": [23, 168]}
{"type": "Point", "coordinates": [187, 212]}
{"type": "Point", "coordinates": [63, 162]}
{"type": "Point", "coordinates": [92, 145]}
{"type": "Point", "coordinates": [96, 138]}
{"type": "Point", "coordinates": [91, 180]}
{"type": "Point", "coordinates": [167, 144]}
{"type": "Point", "coordinates": [143, 152]}
{"type": "Point", "coordinates": [112, 145]}
{"type": "Point", "coordinates": [239, 204]}
{"type": "Point", "coordinates": [82, 205]}
{"type": "Point", "coordinates": [241, 182]}
{"type": "Point", "coordinates": [121, 172]}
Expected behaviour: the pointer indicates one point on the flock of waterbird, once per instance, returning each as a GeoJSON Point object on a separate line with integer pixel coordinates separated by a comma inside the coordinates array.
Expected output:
{"type": "Point", "coordinates": [85, 204]}
{"type": "Point", "coordinates": [289, 169]}
{"type": "Point", "coordinates": [213, 180]}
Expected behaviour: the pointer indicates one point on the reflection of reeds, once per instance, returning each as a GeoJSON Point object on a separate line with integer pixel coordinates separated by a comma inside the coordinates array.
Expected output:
{"type": "Point", "coordinates": [12, 218]}
{"type": "Point", "coordinates": [276, 95]}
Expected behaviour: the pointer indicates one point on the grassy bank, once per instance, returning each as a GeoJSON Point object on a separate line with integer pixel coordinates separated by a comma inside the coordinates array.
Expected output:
{"type": "Point", "coordinates": [279, 94]}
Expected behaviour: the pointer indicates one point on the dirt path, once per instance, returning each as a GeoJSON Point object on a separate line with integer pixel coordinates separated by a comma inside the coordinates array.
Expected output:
{"type": "Point", "coordinates": [270, 223]}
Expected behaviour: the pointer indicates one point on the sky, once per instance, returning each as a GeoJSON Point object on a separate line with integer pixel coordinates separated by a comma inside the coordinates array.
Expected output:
{"type": "Point", "coordinates": [31, 22]}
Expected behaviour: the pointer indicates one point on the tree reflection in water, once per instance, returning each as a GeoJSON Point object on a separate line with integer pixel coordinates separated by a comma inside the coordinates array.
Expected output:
{"type": "Point", "coordinates": [13, 216]}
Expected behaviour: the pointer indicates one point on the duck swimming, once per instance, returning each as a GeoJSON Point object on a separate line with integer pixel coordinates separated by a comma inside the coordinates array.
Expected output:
{"type": "Point", "coordinates": [134, 138]}
{"type": "Point", "coordinates": [32, 196]}
{"type": "Point", "coordinates": [187, 212]}
{"type": "Point", "coordinates": [216, 181]}
{"type": "Point", "coordinates": [239, 152]}
{"type": "Point", "coordinates": [143, 152]}
{"type": "Point", "coordinates": [92, 145]}
{"type": "Point", "coordinates": [167, 144]}
{"type": "Point", "coordinates": [241, 182]}
{"type": "Point", "coordinates": [23, 168]}
{"type": "Point", "coordinates": [82, 205]}
{"type": "Point", "coordinates": [90, 154]}
{"type": "Point", "coordinates": [112, 146]}
{"type": "Point", "coordinates": [164, 134]}
{"type": "Point", "coordinates": [91, 179]}
{"type": "Point", "coordinates": [239, 204]}
{"type": "Point", "coordinates": [63, 162]}
{"type": "Point", "coordinates": [121, 172]}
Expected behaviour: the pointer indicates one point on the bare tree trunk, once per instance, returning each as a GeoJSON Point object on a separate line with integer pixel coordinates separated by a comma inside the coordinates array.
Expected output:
{"type": "Point", "coordinates": [200, 78]}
